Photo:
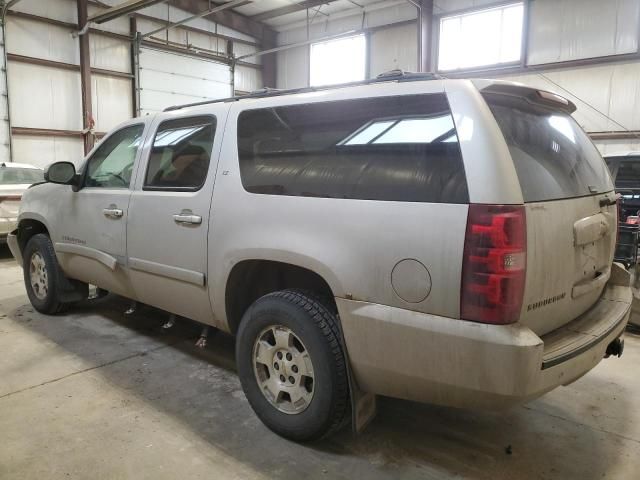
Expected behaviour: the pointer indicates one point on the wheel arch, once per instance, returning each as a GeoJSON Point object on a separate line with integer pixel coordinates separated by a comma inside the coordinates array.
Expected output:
{"type": "Point", "coordinates": [28, 226]}
{"type": "Point", "coordinates": [252, 278]}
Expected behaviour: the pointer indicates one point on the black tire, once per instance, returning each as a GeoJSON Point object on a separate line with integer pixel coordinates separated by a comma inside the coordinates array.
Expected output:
{"type": "Point", "coordinates": [317, 328]}
{"type": "Point", "coordinates": [50, 303]}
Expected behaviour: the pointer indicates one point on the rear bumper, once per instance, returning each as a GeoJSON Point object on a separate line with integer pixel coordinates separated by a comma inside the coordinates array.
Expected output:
{"type": "Point", "coordinates": [433, 359]}
{"type": "Point", "coordinates": [7, 225]}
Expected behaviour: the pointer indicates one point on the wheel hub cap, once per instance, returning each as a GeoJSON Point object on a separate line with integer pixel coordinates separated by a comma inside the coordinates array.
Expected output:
{"type": "Point", "coordinates": [38, 276]}
{"type": "Point", "coordinates": [283, 369]}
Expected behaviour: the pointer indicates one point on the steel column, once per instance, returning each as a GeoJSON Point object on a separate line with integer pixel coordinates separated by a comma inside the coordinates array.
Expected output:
{"type": "Point", "coordinates": [85, 78]}
{"type": "Point", "coordinates": [5, 6]}
{"type": "Point", "coordinates": [269, 62]}
{"type": "Point", "coordinates": [425, 22]}
{"type": "Point", "coordinates": [135, 65]}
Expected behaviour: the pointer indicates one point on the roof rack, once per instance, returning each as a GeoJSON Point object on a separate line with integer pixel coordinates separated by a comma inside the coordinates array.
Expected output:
{"type": "Point", "coordinates": [390, 76]}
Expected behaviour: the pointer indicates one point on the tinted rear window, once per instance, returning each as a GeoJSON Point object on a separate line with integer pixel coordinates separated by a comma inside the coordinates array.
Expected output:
{"type": "Point", "coordinates": [554, 158]}
{"type": "Point", "coordinates": [402, 148]}
{"type": "Point", "coordinates": [17, 176]}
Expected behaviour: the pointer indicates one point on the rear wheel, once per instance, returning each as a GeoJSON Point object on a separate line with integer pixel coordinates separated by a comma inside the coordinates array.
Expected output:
{"type": "Point", "coordinates": [291, 365]}
{"type": "Point", "coordinates": [42, 275]}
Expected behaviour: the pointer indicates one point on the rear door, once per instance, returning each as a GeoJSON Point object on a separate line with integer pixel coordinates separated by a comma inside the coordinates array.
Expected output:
{"type": "Point", "coordinates": [169, 214]}
{"type": "Point", "coordinates": [570, 208]}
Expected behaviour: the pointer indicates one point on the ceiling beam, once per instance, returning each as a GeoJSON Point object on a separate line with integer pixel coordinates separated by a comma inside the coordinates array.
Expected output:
{"type": "Point", "coordinates": [121, 9]}
{"type": "Point", "coordinates": [279, 12]}
{"type": "Point", "coordinates": [218, 8]}
{"type": "Point", "coordinates": [229, 18]}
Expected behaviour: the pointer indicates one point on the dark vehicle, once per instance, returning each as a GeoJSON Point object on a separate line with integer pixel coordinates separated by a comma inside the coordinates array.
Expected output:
{"type": "Point", "coordinates": [625, 172]}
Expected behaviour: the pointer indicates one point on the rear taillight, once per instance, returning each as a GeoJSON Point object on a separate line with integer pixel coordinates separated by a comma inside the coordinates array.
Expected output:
{"type": "Point", "coordinates": [494, 264]}
{"type": "Point", "coordinates": [10, 198]}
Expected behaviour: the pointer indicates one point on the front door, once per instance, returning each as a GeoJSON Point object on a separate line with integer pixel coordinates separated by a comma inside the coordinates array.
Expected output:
{"type": "Point", "coordinates": [91, 243]}
{"type": "Point", "coordinates": [169, 216]}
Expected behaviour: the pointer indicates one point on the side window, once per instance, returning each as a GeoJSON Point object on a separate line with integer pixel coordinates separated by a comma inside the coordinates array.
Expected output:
{"type": "Point", "coordinates": [112, 163]}
{"type": "Point", "coordinates": [179, 158]}
{"type": "Point", "coordinates": [400, 148]}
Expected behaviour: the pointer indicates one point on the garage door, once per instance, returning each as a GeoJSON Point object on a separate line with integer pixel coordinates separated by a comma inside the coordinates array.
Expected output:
{"type": "Point", "coordinates": [171, 79]}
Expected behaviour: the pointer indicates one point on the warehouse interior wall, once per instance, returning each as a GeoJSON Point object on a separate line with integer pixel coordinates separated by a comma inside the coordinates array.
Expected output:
{"type": "Point", "coordinates": [43, 72]}
{"type": "Point", "coordinates": [5, 135]}
{"type": "Point", "coordinates": [606, 89]}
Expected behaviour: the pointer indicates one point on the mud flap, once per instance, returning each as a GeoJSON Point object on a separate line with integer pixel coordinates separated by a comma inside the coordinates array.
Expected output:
{"type": "Point", "coordinates": [363, 407]}
{"type": "Point", "coordinates": [363, 404]}
{"type": "Point", "coordinates": [71, 290]}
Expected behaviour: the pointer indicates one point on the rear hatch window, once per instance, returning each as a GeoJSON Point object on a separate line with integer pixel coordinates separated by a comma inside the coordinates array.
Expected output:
{"type": "Point", "coordinates": [554, 158]}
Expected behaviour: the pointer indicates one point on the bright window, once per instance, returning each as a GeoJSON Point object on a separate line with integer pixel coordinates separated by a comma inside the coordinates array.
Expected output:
{"type": "Point", "coordinates": [338, 61]}
{"type": "Point", "coordinates": [481, 38]}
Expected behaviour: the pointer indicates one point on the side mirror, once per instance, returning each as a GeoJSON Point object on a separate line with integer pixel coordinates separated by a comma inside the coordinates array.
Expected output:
{"type": "Point", "coordinates": [60, 172]}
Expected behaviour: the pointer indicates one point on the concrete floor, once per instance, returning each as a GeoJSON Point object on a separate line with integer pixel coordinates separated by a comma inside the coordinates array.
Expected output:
{"type": "Point", "coordinates": [94, 394]}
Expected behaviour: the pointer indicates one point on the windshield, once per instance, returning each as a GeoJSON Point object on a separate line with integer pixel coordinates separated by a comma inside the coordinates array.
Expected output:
{"type": "Point", "coordinates": [554, 158]}
{"type": "Point", "coordinates": [20, 176]}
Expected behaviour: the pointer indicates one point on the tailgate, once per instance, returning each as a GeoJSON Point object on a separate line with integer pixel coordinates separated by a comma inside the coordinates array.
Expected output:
{"type": "Point", "coordinates": [569, 204]}
{"type": "Point", "coordinates": [570, 246]}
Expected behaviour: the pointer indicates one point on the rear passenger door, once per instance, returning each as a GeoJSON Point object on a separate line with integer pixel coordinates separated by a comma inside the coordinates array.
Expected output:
{"type": "Point", "coordinates": [168, 215]}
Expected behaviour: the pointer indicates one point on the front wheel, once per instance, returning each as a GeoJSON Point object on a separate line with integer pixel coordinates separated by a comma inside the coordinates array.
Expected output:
{"type": "Point", "coordinates": [42, 275]}
{"type": "Point", "coordinates": [291, 365]}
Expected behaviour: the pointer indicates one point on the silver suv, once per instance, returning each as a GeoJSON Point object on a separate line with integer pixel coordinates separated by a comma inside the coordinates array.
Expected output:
{"type": "Point", "coordinates": [445, 241]}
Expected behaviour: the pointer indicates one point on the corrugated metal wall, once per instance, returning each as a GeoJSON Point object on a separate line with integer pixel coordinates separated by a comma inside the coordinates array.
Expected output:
{"type": "Point", "coordinates": [564, 30]}
{"type": "Point", "coordinates": [246, 78]}
{"type": "Point", "coordinates": [396, 48]}
{"type": "Point", "coordinates": [607, 95]}
{"type": "Point", "coordinates": [45, 97]}
{"type": "Point", "coordinates": [170, 79]}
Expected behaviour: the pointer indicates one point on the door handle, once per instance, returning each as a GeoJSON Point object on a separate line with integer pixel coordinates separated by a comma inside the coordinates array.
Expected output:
{"type": "Point", "coordinates": [112, 212]}
{"type": "Point", "coordinates": [187, 219]}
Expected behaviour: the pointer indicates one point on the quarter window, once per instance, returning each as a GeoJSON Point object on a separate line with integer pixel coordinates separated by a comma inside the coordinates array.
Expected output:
{"type": "Point", "coordinates": [401, 148]}
{"type": "Point", "coordinates": [112, 163]}
{"type": "Point", "coordinates": [180, 155]}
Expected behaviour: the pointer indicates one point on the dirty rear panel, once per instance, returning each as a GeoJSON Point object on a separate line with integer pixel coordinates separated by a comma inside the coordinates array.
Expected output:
{"type": "Point", "coordinates": [569, 204]}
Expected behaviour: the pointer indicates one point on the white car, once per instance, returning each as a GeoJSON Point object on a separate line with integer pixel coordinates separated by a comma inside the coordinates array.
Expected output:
{"type": "Point", "coordinates": [15, 178]}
